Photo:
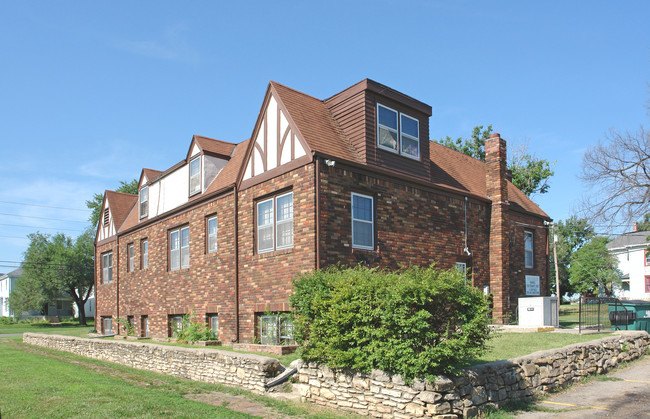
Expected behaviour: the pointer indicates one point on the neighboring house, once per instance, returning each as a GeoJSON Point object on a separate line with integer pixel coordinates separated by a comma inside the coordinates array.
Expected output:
{"type": "Point", "coordinates": [89, 306]}
{"type": "Point", "coordinates": [59, 307]}
{"type": "Point", "coordinates": [7, 283]}
{"type": "Point", "coordinates": [634, 263]}
{"type": "Point", "coordinates": [350, 179]}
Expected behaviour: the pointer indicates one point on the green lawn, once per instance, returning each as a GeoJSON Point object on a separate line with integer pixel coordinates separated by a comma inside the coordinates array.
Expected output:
{"type": "Point", "coordinates": [569, 315]}
{"type": "Point", "coordinates": [36, 382]}
{"type": "Point", "coordinates": [71, 329]}
{"type": "Point", "coordinates": [513, 345]}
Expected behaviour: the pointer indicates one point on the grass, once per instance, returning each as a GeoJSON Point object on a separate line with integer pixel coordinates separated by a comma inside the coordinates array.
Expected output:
{"type": "Point", "coordinates": [513, 345]}
{"type": "Point", "coordinates": [67, 328]}
{"type": "Point", "coordinates": [569, 315]}
{"type": "Point", "coordinates": [37, 382]}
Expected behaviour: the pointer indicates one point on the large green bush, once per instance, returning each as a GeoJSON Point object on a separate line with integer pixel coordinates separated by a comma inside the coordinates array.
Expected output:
{"type": "Point", "coordinates": [418, 322]}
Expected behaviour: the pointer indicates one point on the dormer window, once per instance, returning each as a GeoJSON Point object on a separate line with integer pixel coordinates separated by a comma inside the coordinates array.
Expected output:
{"type": "Point", "coordinates": [144, 202]}
{"type": "Point", "coordinates": [195, 176]}
{"type": "Point", "coordinates": [403, 137]}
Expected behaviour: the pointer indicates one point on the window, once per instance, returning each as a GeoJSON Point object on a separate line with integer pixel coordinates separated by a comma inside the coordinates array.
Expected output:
{"type": "Point", "coordinates": [144, 326]}
{"type": "Point", "coordinates": [175, 325]}
{"type": "Point", "coordinates": [107, 268]}
{"type": "Point", "coordinates": [144, 254]}
{"type": "Point", "coordinates": [130, 320]}
{"type": "Point", "coordinates": [213, 323]}
{"type": "Point", "coordinates": [462, 268]}
{"type": "Point", "coordinates": [144, 201]}
{"type": "Point", "coordinates": [407, 142]}
{"type": "Point", "coordinates": [195, 176]}
{"type": "Point", "coordinates": [276, 329]}
{"type": "Point", "coordinates": [647, 258]}
{"type": "Point", "coordinates": [275, 223]}
{"type": "Point", "coordinates": [106, 217]}
{"type": "Point", "coordinates": [131, 256]}
{"type": "Point", "coordinates": [179, 249]}
{"type": "Point", "coordinates": [107, 325]}
{"type": "Point", "coordinates": [647, 284]}
{"type": "Point", "coordinates": [212, 234]}
{"type": "Point", "coordinates": [528, 249]}
{"type": "Point", "coordinates": [363, 235]}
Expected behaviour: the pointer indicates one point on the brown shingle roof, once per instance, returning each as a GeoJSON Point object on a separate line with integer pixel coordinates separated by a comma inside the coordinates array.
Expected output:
{"type": "Point", "coordinates": [228, 174]}
{"type": "Point", "coordinates": [120, 205]}
{"type": "Point", "coordinates": [151, 174]}
{"type": "Point", "coordinates": [315, 123]}
{"type": "Point", "coordinates": [210, 145]}
{"type": "Point", "coordinates": [455, 170]}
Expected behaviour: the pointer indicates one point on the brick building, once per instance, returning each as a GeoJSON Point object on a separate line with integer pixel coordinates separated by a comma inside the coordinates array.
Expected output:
{"type": "Point", "coordinates": [353, 178]}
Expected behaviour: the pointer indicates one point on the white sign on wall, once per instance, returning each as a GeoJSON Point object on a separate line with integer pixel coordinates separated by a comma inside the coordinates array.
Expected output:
{"type": "Point", "coordinates": [532, 285]}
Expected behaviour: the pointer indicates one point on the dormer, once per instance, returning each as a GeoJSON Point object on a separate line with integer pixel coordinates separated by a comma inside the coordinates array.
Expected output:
{"type": "Point", "coordinates": [387, 128]}
{"type": "Point", "coordinates": [206, 157]}
{"type": "Point", "coordinates": [146, 178]}
{"type": "Point", "coordinates": [115, 208]}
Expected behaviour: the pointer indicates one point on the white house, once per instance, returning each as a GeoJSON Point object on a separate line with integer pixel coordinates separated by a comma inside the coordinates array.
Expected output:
{"type": "Point", "coordinates": [7, 282]}
{"type": "Point", "coordinates": [634, 263]}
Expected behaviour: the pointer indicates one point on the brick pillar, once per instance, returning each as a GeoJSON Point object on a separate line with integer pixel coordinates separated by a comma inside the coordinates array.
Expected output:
{"type": "Point", "coordinates": [497, 190]}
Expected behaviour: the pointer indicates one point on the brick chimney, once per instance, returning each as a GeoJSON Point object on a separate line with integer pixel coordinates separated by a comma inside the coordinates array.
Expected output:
{"type": "Point", "coordinates": [635, 226]}
{"type": "Point", "coordinates": [497, 190]}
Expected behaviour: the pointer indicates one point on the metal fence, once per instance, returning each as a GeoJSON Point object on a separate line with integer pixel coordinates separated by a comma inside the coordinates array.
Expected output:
{"type": "Point", "coordinates": [601, 314]}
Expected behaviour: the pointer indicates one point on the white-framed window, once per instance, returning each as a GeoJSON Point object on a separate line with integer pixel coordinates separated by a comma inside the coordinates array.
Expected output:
{"type": "Point", "coordinates": [144, 254]}
{"type": "Point", "coordinates": [276, 329]}
{"type": "Point", "coordinates": [212, 234]}
{"type": "Point", "coordinates": [175, 325]}
{"type": "Point", "coordinates": [398, 132]}
{"type": "Point", "coordinates": [179, 249]}
{"type": "Point", "coordinates": [144, 202]}
{"type": "Point", "coordinates": [363, 224]}
{"type": "Point", "coordinates": [528, 250]}
{"type": "Point", "coordinates": [107, 268]}
{"type": "Point", "coordinates": [462, 268]}
{"type": "Point", "coordinates": [275, 223]}
{"type": "Point", "coordinates": [131, 255]}
{"type": "Point", "coordinates": [213, 323]}
{"type": "Point", "coordinates": [195, 176]}
{"type": "Point", "coordinates": [107, 325]}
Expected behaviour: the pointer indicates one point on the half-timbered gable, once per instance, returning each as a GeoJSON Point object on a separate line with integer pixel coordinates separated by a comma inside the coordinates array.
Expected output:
{"type": "Point", "coordinates": [115, 209]}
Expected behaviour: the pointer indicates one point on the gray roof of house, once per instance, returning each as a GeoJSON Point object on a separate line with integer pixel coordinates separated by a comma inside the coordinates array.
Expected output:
{"type": "Point", "coordinates": [16, 273]}
{"type": "Point", "coordinates": [630, 239]}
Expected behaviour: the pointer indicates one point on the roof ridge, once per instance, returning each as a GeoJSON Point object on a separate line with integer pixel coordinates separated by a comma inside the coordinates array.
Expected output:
{"type": "Point", "coordinates": [122, 193]}
{"type": "Point", "coordinates": [215, 139]}
{"type": "Point", "coordinates": [458, 152]}
{"type": "Point", "coordinates": [275, 83]}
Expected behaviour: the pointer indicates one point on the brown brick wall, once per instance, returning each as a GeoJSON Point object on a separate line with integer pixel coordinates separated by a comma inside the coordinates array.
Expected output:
{"type": "Point", "coordinates": [265, 280]}
{"type": "Point", "coordinates": [105, 294]}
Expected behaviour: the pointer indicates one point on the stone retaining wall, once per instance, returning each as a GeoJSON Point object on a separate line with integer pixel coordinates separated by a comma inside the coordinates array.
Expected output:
{"type": "Point", "coordinates": [247, 371]}
{"type": "Point", "coordinates": [381, 395]}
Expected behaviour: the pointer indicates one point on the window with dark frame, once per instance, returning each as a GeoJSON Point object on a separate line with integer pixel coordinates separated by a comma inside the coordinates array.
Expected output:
{"type": "Point", "coordinates": [276, 329]}
{"type": "Point", "coordinates": [179, 249]}
{"type": "Point", "coordinates": [144, 201]}
{"type": "Point", "coordinates": [107, 268]}
{"type": "Point", "coordinates": [462, 268]}
{"type": "Point", "coordinates": [529, 250]}
{"type": "Point", "coordinates": [647, 258]}
{"type": "Point", "coordinates": [144, 254]}
{"type": "Point", "coordinates": [398, 132]}
{"type": "Point", "coordinates": [647, 284]}
{"type": "Point", "coordinates": [275, 223]}
{"type": "Point", "coordinates": [107, 325]}
{"type": "Point", "coordinates": [131, 256]}
{"type": "Point", "coordinates": [363, 225]}
{"type": "Point", "coordinates": [212, 234]}
{"type": "Point", "coordinates": [195, 176]}
{"type": "Point", "coordinates": [213, 323]}
{"type": "Point", "coordinates": [175, 324]}
{"type": "Point", "coordinates": [144, 326]}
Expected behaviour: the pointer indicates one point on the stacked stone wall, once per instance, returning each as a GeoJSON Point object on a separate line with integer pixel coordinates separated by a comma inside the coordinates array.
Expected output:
{"type": "Point", "coordinates": [489, 385]}
{"type": "Point", "coordinates": [248, 371]}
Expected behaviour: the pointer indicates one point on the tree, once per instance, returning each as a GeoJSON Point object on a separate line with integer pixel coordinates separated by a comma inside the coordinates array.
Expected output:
{"type": "Point", "coordinates": [529, 173]}
{"type": "Point", "coordinates": [53, 266]}
{"type": "Point", "coordinates": [593, 269]}
{"type": "Point", "coordinates": [571, 234]}
{"type": "Point", "coordinates": [95, 204]}
{"type": "Point", "coordinates": [644, 225]}
{"type": "Point", "coordinates": [617, 173]}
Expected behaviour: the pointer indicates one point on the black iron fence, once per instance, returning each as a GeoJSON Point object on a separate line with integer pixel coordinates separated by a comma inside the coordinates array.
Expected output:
{"type": "Point", "coordinates": [603, 313]}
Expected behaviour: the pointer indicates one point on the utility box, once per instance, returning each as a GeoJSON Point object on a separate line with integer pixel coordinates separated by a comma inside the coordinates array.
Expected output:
{"type": "Point", "coordinates": [538, 311]}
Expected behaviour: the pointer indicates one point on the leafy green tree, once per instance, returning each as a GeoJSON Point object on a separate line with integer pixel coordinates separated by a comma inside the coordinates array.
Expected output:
{"type": "Point", "coordinates": [571, 234]}
{"type": "Point", "coordinates": [593, 268]}
{"type": "Point", "coordinates": [95, 204]}
{"type": "Point", "coordinates": [529, 173]}
{"type": "Point", "coordinates": [644, 225]}
{"type": "Point", "coordinates": [52, 266]}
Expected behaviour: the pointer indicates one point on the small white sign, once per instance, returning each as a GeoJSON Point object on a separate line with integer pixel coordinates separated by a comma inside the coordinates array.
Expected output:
{"type": "Point", "coordinates": [532, 285]}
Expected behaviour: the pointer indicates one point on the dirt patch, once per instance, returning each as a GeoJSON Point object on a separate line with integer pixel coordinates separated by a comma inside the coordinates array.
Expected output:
{"type": "Point", "coordinates": [238, 403]}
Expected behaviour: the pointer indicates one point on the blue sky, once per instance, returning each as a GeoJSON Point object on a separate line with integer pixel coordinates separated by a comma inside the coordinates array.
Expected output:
{"type": "Point", "coordinates": [90, 92]}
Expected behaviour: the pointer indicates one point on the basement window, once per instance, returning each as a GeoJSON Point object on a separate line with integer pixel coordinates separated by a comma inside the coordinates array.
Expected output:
{"type": "Point", "coordinates": [276, 329]}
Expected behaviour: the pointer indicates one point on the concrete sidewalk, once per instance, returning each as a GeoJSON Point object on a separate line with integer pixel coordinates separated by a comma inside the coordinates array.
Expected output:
{"type": "Point", "coordinates": [626, 395]}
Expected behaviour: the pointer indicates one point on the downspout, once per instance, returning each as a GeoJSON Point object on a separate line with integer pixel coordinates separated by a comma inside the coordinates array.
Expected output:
{"type": "Point", "coordinates": [117, 279]}
{"type": "Point", "coordinates": [95, 282]}
{"type": "Point", "coordinates": [236, 264]}
{"type": "Point", "coordinates": [317, 166]}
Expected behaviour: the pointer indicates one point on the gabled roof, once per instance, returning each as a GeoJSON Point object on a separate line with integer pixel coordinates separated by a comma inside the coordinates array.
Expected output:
{"type": "Point", "coordinates": [151, 174]}
{"type": "Point", "coordinates": [120, 205]}
{"type": "Point", "coordinates": [635, 238]}
{"type": "Point", "coordinates": [315, 123]}
{"type": "Point", "coordinates": [212, 146]}
{"type": "Point", "coordinates": [460, 172]}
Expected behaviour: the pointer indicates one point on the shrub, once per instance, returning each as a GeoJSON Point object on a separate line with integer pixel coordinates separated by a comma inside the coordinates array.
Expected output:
{"type": "Point", "coordinates": [418, 322]}
{"type": "Point", "coordinates": [7, 320]}
{"type": "Point", "coordinates": [128, 327]}
{"type": "Point", "coordinates": [192, 330]}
